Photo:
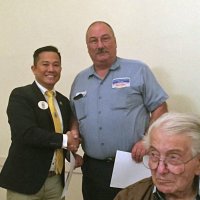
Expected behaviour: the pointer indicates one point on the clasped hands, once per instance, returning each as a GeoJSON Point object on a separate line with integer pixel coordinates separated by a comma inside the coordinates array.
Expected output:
{"type": "Point", "coordinates": [73, 141]}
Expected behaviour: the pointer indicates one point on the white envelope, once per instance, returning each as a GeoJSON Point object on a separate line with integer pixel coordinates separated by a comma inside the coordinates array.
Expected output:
{"type": "Point", "coordinates": [126, 171]}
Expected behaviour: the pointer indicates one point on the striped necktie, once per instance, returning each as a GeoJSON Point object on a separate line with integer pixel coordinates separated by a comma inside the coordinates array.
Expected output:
{"type": "Point", "coordinates": [58, 129]}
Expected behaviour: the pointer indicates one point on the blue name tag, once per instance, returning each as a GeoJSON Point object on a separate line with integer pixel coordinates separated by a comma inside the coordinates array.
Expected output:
{"type": "Point", "coordinates": [121, 82]}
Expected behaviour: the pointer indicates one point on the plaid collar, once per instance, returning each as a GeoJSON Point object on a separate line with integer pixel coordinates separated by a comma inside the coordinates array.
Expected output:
{"type": "Point", "coordinates": [157, 195]}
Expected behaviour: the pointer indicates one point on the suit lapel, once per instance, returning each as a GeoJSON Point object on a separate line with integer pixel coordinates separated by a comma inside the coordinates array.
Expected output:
{"type": "Point", "coordinates": [61, 103]}
{"type": "Point", "coordinates": [40, 98]}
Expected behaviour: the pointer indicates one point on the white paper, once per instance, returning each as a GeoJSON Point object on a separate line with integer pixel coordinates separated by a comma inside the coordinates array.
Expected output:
{"type": "Point", "coordinates": [126, 171]}
{"type": "Point", "coordinates": [69, 175]}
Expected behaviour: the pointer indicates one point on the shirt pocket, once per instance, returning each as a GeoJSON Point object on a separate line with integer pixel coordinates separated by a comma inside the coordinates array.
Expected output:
{"type": "Point", "coordinates": [125, 98]}
{"type": "Point", "coordinates": [80, 108]}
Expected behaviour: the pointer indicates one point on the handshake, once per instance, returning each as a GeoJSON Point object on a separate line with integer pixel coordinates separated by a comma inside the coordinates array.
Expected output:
{"type": "Point", "coordinates": [73, 141]}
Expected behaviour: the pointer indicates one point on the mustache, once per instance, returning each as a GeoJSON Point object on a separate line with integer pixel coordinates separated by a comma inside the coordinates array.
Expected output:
{"type": "Point", "coordinates": [101, 50]}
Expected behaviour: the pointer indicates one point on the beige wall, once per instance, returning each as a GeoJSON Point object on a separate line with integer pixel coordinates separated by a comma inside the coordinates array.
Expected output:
{"type": "Point", "coordinates": [163, 33]}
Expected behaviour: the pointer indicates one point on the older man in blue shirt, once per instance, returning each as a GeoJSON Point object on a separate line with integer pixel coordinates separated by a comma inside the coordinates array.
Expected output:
{"type": "Point", "coordinates": [114, 102]}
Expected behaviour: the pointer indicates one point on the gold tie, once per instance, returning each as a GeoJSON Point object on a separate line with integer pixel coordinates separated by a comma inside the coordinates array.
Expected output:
{"type": "Point", "coordinates": [58, 129]}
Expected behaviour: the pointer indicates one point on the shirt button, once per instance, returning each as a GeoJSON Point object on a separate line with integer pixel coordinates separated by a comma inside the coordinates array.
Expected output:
{"type": "Point", "coordinates": [100, 128]}
{"type": "Point", "coordinates": [102, 144]}
{"type": "Point", "coordinates": [99, 97]}
{"type": "Point", "coordinates": [99, 112]}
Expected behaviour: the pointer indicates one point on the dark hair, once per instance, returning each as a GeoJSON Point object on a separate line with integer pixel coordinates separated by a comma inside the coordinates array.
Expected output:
{"type": "Point", "coordinates": [43, 49]}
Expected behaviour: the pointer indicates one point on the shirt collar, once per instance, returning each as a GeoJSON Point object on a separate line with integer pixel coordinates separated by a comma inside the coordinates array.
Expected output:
{"type": "Point", "coordinates": [114, 66]}
{"type": "Point", "coordinates": [43, 89]}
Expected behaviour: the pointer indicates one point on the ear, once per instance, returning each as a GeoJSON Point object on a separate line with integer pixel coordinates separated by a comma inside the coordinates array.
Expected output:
{"type": "Point", "coordinates": [197, 171]}
{"type": "Point", "coordinates": [33, 67]}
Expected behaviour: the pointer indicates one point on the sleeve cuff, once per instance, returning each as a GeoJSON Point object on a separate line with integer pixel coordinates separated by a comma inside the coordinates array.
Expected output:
{"type": "Point", "coordinates": [65, 139]}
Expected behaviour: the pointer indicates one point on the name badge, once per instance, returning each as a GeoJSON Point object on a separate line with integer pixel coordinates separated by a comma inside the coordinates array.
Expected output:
{"type": "Point", "coordinates": [43, 105]}
{"type": "Point", "coordinates": [121, 82]}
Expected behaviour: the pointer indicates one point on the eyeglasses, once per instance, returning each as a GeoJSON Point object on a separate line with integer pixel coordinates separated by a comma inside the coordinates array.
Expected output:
{"type": "Point", "coordinates": [173, 163]}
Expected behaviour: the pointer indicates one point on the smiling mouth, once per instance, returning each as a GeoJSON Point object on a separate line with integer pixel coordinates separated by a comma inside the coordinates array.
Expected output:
{"type": "Point", "coordinates": [50, 76]}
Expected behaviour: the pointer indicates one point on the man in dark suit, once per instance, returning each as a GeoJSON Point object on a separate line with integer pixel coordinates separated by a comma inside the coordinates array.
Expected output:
{"type": "Point", "coordinates": [29, 170]}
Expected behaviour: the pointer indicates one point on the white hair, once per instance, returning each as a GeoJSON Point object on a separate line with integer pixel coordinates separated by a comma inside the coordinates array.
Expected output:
{"type": "Point", "coordinates": [173, 123]}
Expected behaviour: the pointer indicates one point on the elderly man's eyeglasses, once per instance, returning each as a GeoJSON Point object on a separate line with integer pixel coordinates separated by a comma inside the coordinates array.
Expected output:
{"type": "Point", "coordinates": [172, 162]}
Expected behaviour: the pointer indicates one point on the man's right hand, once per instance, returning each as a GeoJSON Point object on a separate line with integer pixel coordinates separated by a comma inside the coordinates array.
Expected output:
{"type": "Point", "coordinates": [73, 141]}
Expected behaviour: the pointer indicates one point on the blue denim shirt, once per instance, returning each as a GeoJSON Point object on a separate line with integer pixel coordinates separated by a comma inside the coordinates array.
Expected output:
{"type": "Point", "coordinates": [113, 113]}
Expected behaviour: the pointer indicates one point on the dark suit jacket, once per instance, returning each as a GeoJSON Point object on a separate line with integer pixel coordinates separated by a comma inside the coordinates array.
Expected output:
{"type": "Point", "coordinates": [33, 139]}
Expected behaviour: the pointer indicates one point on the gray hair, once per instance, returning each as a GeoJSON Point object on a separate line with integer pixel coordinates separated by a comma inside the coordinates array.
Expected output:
{"type": "Point", "coordinates": [100, 22]}
{"type": "Point", "coordinates": [173, 123]}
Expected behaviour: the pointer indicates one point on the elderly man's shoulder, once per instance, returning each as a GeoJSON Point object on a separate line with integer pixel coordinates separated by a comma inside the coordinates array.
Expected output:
{"type": "Point", "coordinates": [140, 190]}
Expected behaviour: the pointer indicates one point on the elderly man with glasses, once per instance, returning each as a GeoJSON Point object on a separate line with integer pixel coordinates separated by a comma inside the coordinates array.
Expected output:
{"type": "Point", "coordinates": [173, 146]}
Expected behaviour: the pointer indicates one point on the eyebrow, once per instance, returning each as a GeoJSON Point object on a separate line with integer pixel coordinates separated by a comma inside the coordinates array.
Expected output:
{"type": "Point", "coordinates": [100, 36]}
{"type": "Point", "coordinates": [167, 152]}
{"type": "Point", "coordinates": [46, 61]}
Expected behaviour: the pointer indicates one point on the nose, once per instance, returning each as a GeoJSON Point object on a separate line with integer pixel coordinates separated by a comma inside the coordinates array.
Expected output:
{"type": "Point", "coordinates": [50, 67]}
{"type": "Point", "coordinates": [100, 43]}
{"type": "Point", "coordinates": [162, 167]}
